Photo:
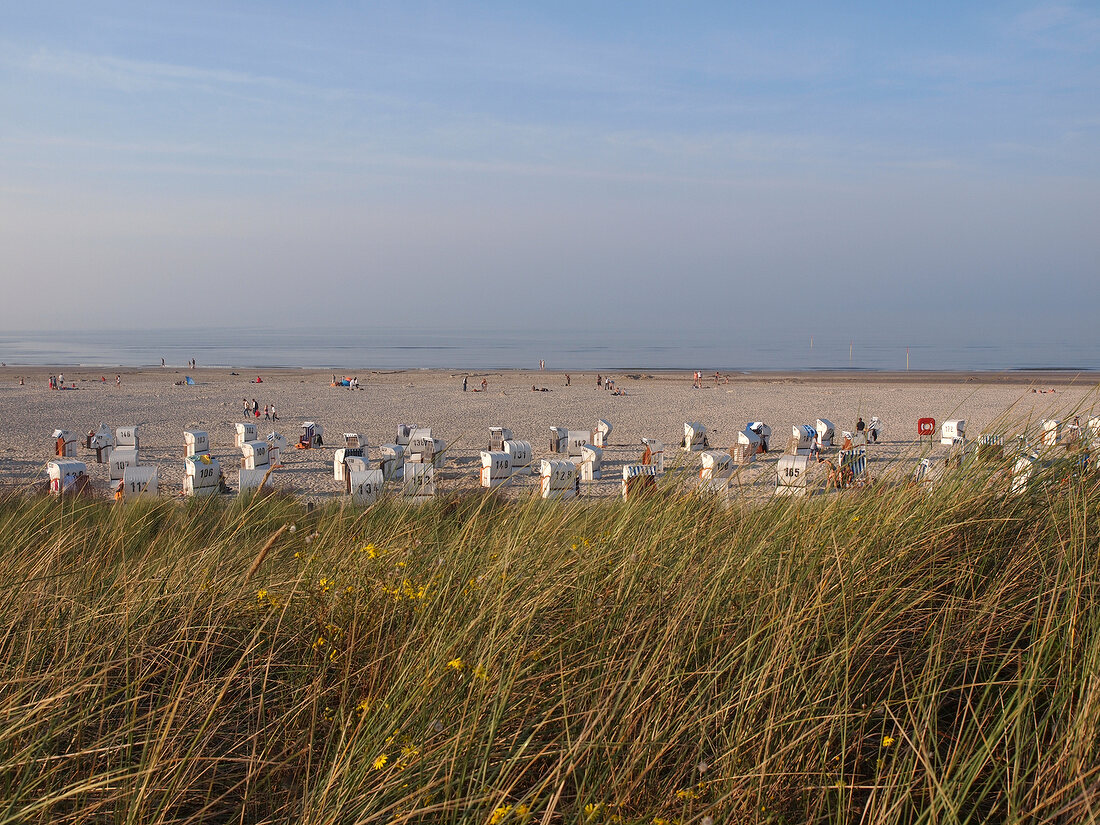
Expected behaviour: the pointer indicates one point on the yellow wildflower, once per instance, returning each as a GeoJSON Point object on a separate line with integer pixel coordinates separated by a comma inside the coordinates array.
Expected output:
{"type": "Point", "coordinates": [363, 706]}
{"type": "Point", "coordinates": [319, 643]}
{"type": "Point", "coordinates": [687, 793]}
{"type": "Point", "coordinates": [500, 814]}
{"type": "Point", "coordinates": [887, 741]}
{"type": "Point", "coordinates": [593, 809]}
{"type": "Point", "coordinates": [380, 762]}
{"type": "Point", "coordinates": [261, 595]}
{"type": "Point", "coordinates": [455, 664]}
{"type": "Point", "coordinates": [481, 673]}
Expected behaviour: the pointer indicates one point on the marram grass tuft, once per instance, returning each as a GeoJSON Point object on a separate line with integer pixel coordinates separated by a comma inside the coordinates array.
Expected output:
{"type": "Point", "coordinates": [894, 657]}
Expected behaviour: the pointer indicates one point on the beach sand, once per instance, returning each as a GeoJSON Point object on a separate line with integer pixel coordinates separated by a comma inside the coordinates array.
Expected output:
{"type": "Point", "coordinates": [656, 405]}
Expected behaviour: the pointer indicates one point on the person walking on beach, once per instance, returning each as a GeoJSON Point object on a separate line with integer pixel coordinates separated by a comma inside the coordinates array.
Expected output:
{"type": "Point", "coordinates": [567, 379]}
{"type": "Point", "coordinates": [464, 383]}
{"type": "Point", "coordinates": [599, 381]}
{"type": "Point", "coordinates": [267, 411]}
{"type": "Point", "coordinates": [273, 416]}
{"type": "Point", "coordinates": [245, 406]}
{"type": "Point", "coordinates": [255, 408]}
{"type": "Point", "coordinates": [484, 384]}
{"type": "Point", "coordinates": [118, 379]}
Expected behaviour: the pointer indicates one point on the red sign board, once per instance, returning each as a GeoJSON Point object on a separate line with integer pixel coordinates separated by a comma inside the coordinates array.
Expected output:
{"type": "Point", "coordinates": [926, 426]}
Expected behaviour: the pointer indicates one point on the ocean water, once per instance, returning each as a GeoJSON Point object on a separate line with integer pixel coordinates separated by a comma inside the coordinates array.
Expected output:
{"type": "Point", "coordinates": [408, 348]}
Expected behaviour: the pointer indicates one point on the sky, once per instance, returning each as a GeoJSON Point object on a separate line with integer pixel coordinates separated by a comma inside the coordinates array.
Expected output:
{"type": "Point", "coordinates": [903, 169]}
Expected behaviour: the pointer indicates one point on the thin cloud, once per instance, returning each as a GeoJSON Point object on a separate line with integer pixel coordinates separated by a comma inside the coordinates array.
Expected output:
{"type": "Point", "coordinates": [1058, 26]}
{"type": "Point", "coordinates": [126, 75]}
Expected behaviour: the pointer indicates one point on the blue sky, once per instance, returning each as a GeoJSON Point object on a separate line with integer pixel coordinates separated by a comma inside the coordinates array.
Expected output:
{"type": "Point", "coordinates": [585, 163]}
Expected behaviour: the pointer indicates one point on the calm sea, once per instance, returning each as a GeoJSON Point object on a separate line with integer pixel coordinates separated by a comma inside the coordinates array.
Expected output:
{"type": "Point", "coordinates": [406, 348]}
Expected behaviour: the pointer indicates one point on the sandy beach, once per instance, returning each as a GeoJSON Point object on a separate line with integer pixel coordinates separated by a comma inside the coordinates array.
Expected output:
{"type": "Point", "coordinates": [654, 405]}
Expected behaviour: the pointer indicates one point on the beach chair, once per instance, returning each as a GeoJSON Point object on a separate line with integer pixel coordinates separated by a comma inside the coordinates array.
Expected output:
{"type": "Point", "coordinates": [339, 461]}
{"type": "Point", "coordinates": [558, 479]}
{"type": "Point", "coordinates": [601, 432]}
{"type": "Point", "coordinates": [520, 454]}
{"type": "Point", "coordinates": [638, 480]}
{"type": "Point", "coordinates": [791, 475]}
{"type": "Point", "coordinates": [695, 437]}
{"type": "Point", "coordinates": [763, 432]}
{"type": "Point", "coordinates": [654, 454]}
{"type": "Point", "coordinates": [312, 436]}
{"type": "Point", "coordinates": [418, 483]}
{"type": "Point", "coordinates": [953, 432]}
{"type": "Point", "coordinates": [254, 455]}
{"type": "Point", "coordinates": [195, 442]}
{"type": "Point", "coordinates": [590, 462]}
{"type": "Point", "coordinates": [66, 476]}
{"type": "Point", "coordinates": [244, 432]}
{"type": "Point", "coordinates": [747, 447]}
{"type": "Point", "coordinates": [497, 437]}
{"type": "Point", "coordinates": [365, 486]}
{"type": "Point", "coordinates": [138, 482]}
{"type": "Point", "coordinates": [201, 475]}
{"type": "Point", "coordinates": [496, 468]}
{"type": "Point", "coordinates": [121, 458]}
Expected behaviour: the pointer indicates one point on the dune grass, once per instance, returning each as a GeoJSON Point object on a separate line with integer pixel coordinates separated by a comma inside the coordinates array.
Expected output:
{"type": "Point", "coordinates": [894, 656]}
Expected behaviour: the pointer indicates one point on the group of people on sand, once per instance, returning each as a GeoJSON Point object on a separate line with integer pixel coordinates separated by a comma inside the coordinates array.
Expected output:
{"type": "Point", "coordinates": [57, 382]}
{"type": "Point", "coordinates": [608, 384]}
{"type": "Point", "coordinates": [484, 384]}
{"type": "Point", "coordinates": [252, 408]}
{"type": "Point", "coordinates": [872, 434]}
{"type": "Point", "coordinates": [697, 379]}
